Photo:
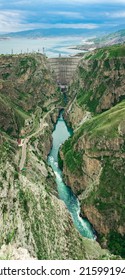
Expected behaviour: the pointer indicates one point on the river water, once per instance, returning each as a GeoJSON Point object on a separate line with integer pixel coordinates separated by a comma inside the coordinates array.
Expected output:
{"type": "Point", "coordinates": [60, 134]}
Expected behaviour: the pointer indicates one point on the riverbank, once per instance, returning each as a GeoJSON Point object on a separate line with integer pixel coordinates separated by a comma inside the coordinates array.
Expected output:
{"type": "Point", "coordinates": [60, 134]}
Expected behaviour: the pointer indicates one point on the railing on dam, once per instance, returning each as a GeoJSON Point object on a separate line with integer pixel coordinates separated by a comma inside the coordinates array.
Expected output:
{"type": "Point", "coordinates": [63, 69]}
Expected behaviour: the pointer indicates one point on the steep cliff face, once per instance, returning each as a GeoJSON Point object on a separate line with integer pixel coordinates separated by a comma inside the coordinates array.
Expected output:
{"type": "Point", "coordinates": [34, 223]}
{"type": "Point", "coordinates": [33, 218]}
{"type": "Point", "coordinates": [94, 158]}
{"type": "Point", "coordinates": [25, 84]}
{"type": "Point", "coordinates": [99, 82]}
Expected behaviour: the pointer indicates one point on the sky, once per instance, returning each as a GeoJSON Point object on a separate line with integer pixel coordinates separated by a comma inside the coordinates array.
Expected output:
{"type": "Point", "coordinates": [97, 15]}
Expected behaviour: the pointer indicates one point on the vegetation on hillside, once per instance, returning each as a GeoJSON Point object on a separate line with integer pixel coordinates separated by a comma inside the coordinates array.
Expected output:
{"type": "Point", "coordinates": [25, 84]}
{"type": "Point", "coordinates": [99, 81]}
{"type": "Point", "coordinates": [103, 125]}
{"type": "Point", "coordinates": [100, 88]}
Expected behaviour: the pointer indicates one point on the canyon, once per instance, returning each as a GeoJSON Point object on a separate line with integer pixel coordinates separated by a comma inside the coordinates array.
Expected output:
{"type": "Point", "coordinates": [93, 159]}
{"type": "Point", "coordinates": [35, 223]}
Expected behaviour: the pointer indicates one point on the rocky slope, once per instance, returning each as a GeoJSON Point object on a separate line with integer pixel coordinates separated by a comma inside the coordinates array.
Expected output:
{"type": "Point", "coordinates": [34, 223]}
{"type": "Point", "coordinates": [114, 38]}
{"type": "Point", "coordinates": [94, 158]}
{"type": "Point", "coordinates": [99, 83]}
{"type": "Point", "coordinates": [25, 85]}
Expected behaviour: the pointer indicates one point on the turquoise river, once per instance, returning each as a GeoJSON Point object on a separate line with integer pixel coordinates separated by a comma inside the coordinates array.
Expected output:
{"type": "Point", "coordinates": [60, 134]}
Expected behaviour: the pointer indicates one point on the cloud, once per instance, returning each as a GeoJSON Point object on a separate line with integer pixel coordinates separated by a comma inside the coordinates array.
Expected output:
{"type": "Point", "coordinates": [64, 2]}
{"type": "Point", "coordinates": [10, 20]}
{"type": "Point", "coordinates": [17, 20]}
{"type": "Point", "coordinates": [88, 26]}
{"type": "Point", "coordinates": [75, 26]}
{"type": "Point", "coordinates": [120, 14]}
{"type": "Point", "coordinates": [13, 21]}
{"type": "Point", "coordinates": [95, 1]}
{"type": "Point", "coordinates": [79, 1]}
{"type": "Point", "coordinates": [18, 15]}
{"type": "Point", "coordinates": [73, 15]}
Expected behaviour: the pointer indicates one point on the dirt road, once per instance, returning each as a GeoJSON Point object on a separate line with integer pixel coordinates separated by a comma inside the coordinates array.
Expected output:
{"type": "Point", "coordinates": [26, 140]}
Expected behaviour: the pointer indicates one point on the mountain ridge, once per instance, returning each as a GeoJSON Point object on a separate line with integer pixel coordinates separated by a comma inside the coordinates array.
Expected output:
{"type": "Point", "coordinates": [93, 159]}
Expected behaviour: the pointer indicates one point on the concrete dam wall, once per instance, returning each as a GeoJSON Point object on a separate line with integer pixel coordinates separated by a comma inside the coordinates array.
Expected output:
{"type": "Point", "coordinates": [63, 68]}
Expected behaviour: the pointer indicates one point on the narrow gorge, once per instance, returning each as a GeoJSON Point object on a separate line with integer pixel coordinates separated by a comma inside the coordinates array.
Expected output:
{"type": "Point", "coordinates": [35, 223]}
{"type": "Point", "coordinates": [93, 159]}
{"type": "Point", "coordinates": [60, 134]}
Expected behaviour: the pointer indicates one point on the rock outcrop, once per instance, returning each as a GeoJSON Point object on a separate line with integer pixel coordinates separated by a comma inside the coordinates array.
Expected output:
{"type": "Point", "coordinates": [94, 158]}
{"type": "Point", "coordinates": [26, 86]}
{"type": "Point", "coordinates": [98, 83]}
{"type": "Point", "coordinates": [34, 223]}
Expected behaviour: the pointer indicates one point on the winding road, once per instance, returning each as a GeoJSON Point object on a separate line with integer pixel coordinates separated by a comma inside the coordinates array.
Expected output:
{"type": "Point", "coordinates": [26, 140]}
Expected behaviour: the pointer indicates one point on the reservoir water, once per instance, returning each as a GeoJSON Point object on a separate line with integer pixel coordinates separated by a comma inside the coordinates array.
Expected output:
{"type": "Point", "coordinates": [51, 46]}
{"type": "Point", "coordinates": [60, 134]}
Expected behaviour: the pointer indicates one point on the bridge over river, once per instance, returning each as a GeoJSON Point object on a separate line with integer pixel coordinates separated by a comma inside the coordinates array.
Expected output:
{"type": "Point", "coordinates": [63, 69]}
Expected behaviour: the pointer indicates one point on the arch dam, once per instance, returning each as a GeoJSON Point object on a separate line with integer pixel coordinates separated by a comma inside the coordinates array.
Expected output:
{"type": "Point", "coordinates": [63, 69]}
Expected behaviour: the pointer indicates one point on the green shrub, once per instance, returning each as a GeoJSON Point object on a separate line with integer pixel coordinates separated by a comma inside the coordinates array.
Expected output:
{"type": "Point", "coordinates": [116, 243]}
{"type": "Point", "coordinates": [23, 200]}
